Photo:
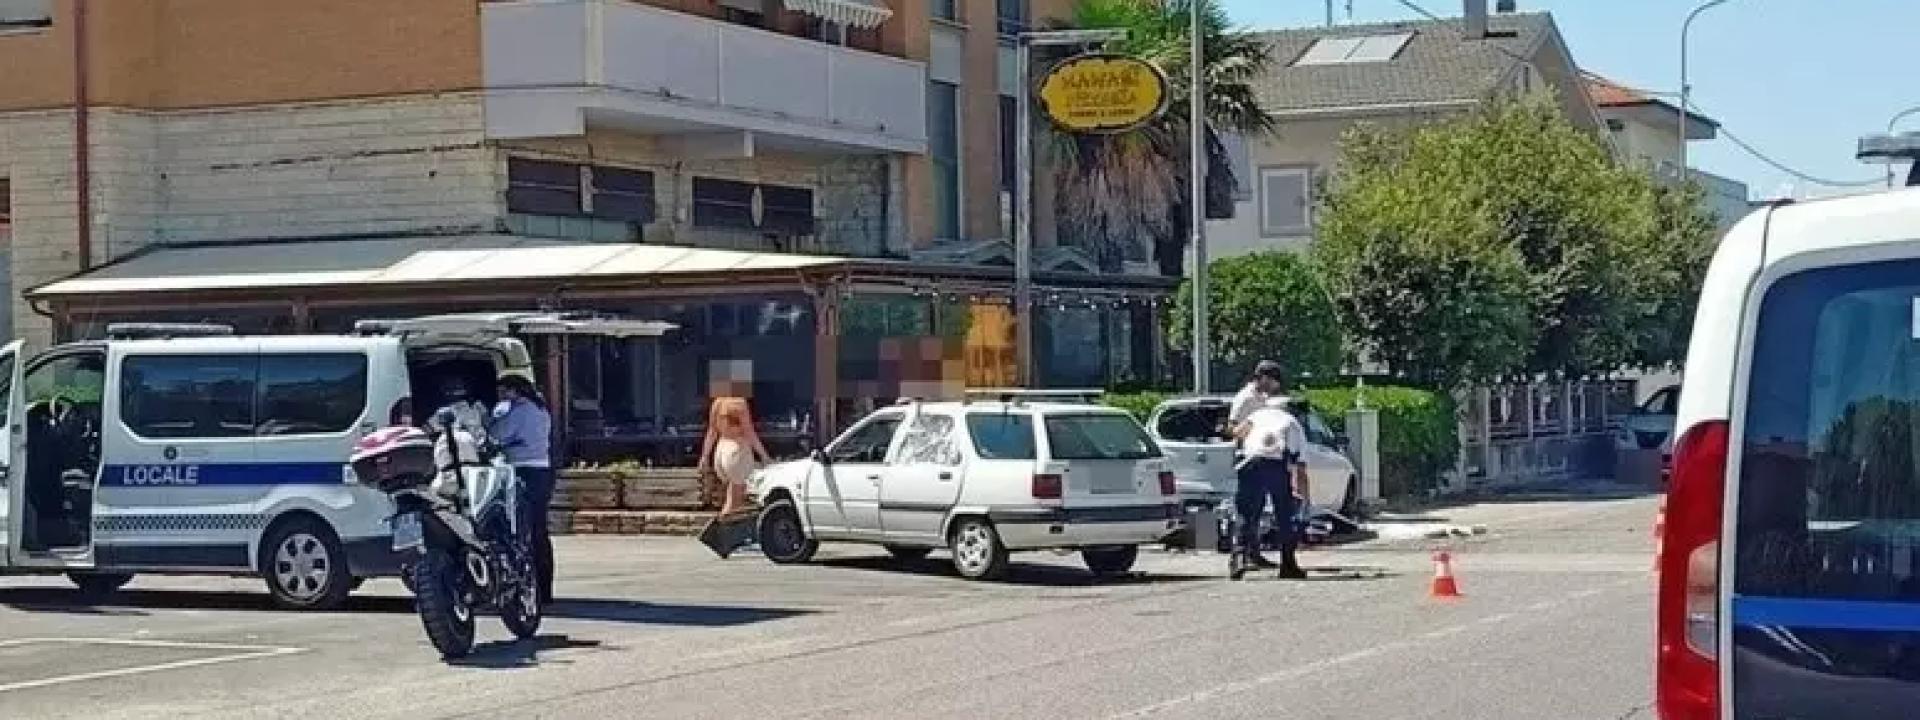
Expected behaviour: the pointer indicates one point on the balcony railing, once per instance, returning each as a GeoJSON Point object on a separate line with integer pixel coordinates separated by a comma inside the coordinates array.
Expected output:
{"type": "Point", "coordinates": [554, 66]}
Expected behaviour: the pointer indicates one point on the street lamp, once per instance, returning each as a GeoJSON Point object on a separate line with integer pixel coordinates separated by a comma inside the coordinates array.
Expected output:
{"type": "Point", "coordinates": [1686, 90]}
{"type": "Point", "coordinates": [1197, 199]}
{"type": "Point", "coordinates": [1895, 120]}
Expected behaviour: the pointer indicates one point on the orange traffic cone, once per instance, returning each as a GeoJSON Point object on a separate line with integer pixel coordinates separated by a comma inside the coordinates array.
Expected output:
{"type": "Point", "coordinates": [1444, 587]}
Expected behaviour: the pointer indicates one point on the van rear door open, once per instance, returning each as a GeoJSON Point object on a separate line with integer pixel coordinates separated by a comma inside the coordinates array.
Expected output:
{"type": "Point", "coordinates": [1825, 596]}
{"type": "Point", "coordinates": [13, 452]}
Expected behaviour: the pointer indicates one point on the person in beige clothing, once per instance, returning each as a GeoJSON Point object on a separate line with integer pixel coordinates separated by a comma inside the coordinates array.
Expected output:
{"type": "Point", "coordinates": [732, 450]}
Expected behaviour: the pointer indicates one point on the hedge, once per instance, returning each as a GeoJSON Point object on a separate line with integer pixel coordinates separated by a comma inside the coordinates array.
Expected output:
{"type": "Point", "coordinates": [1419, 436]}
{"type": "Point", "coordinates": [1140, 404]}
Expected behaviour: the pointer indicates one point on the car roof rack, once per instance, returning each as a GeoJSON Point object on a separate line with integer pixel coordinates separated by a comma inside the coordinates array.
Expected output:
{"type": "Point", "coordinates": [1026, 395]}
{"type": "Point", "coordinates": [167, 331]}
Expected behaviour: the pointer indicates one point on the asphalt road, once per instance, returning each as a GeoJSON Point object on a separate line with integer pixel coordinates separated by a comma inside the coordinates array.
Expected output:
{"type": "Point", "coordinates": [1555, 623]}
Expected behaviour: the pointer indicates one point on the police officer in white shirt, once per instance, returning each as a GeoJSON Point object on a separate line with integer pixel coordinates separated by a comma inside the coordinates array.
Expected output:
{"type": "Point", "coordinates": [1271, 441]}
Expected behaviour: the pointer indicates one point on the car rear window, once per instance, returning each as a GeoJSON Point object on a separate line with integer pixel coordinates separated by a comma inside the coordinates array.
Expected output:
{"type": "Point", "coordinates": [1104, 436]}
{"type": "Point", "coordinates": [1002, 436]}
{"type": "Point", "coordinates": [1193, 423]}
{"type": "Point", "coordinates": [1827, 526]}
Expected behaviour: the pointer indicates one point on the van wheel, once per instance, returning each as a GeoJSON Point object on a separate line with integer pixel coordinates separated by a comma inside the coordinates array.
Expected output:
{"type": "Point", "coordinates": [99, 585]}
{"type": "Point", "coordinates": [1350, 503]}
{"type": "Point", "coordinates": [782, 539]}
{"type": "Point", "coordinates": [1110, 560]}
{"type": "Point", "coordinates": [977, 551]}
{"type": "Point", "coordinates": [904, 553]}
{"type": "Point", "coordinates": [304, 565]}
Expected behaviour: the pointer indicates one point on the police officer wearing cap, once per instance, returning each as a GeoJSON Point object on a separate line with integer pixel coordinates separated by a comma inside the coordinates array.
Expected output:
{"type": "Point", "coordinates": [1271, 439]}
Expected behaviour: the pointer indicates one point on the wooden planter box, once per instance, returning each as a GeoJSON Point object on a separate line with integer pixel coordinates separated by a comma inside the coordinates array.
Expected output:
{"type": "Point", "coordinates": [587, 490]}
{"type": "Point", "coordinates": [635, 489]}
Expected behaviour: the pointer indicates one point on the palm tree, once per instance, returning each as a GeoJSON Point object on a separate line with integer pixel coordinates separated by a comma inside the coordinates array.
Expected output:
{"type": "Point", "coordinates": [1118, 192]}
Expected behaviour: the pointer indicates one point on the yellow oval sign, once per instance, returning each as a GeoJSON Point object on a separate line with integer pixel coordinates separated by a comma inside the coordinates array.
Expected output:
{"type": "Point", "coordinates": [1102, 93]}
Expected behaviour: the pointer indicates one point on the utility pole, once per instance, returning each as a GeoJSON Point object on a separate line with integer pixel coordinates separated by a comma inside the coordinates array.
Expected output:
{"type": "Point", "coordinates": [1197, 198]}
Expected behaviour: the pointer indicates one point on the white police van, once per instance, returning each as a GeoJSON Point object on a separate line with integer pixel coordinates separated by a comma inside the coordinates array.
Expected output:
{"type": "Point", "coordinates": [1790, 560]}
{"type": "Point", "coordinates": [184, 449]}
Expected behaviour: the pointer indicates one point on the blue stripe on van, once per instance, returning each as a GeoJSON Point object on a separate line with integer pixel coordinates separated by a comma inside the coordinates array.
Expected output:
{"type": "Point", "coordinates": [223, 474]}
{"type": "Point", "coordinates": [1826, 614]}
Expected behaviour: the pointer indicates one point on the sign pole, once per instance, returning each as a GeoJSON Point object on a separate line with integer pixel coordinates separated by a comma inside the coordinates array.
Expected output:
{"type": "Point", "coordinates": [1197, 202]}
{"type": "Point", "coordinates": [1023, 205]}
{"type": "Point", "coordinates": [1023, 216]}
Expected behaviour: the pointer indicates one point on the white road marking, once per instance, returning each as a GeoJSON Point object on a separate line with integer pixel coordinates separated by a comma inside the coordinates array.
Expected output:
{"type": "Point", "coordinates": [234, 653]}
{"type": "Point", "coordinates": [1240, 686]}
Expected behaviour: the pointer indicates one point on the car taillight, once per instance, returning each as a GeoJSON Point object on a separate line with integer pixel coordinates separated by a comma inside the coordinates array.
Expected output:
{"type": "Point", "coordinates": [1166, 482]}
{"type": "Point", "coordinates": [1046, 487]}
{"type": "Point", "coordinates": [1687, 684]}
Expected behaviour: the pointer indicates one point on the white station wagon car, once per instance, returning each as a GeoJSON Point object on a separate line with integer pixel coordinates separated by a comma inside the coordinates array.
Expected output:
{"type": "Point", "coordinates": [981, 478]}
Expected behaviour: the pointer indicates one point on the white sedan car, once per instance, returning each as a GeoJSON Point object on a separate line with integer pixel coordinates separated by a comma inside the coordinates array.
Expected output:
{"type": "Point", "coordinates": [1192, 432]}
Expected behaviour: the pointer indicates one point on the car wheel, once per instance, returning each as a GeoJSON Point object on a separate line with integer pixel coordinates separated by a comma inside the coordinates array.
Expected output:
{"type": "Point", "coordinates": [977, 551]}
{"type": "Point", "coordinates": [904, 553]}
{"type": "Point", "coordinates": [99, 585]}
{"type": "Point", "coordinates": [304, 565]}
{"type": "Point", "coordinates": [782, 538]}
{"type": "Point", "coordinates": [1110, 560]}
{"type": "Point", "coordinates": [1350, 503]}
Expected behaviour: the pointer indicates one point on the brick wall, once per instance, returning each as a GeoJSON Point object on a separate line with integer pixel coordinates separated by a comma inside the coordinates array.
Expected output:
{"type": "Point", "coordinates": [413, 164]}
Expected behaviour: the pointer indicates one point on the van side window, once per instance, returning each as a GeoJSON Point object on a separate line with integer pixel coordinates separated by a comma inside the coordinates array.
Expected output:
{"type": "Point", "coordinates": [311, 394]}
{"type": "Point", "coordinates": [188, 396]}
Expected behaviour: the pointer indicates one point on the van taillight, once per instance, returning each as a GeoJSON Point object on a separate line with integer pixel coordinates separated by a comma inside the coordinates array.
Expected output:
{"type": "Point", "coordinates": [1046, 487]}
{"type": "Point", "coordinates": [1687, 683]}
{"type": "Point", "coordinates": [1166, 482]}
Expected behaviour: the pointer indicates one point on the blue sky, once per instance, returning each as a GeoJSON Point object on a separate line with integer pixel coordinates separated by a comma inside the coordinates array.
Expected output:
{"type": "Point", "coordinates": [1800, 80]}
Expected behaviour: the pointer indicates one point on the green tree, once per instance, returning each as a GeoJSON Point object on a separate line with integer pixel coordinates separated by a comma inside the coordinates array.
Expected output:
{"type": "Point", "coordinates": [1675, 257]}
{"type": "Point", "coordinates": [1263, 306]}
{"type": "Point", "coordinates": [1126, 191]}
{"type": "Point", "coordinates": [1503, 242]}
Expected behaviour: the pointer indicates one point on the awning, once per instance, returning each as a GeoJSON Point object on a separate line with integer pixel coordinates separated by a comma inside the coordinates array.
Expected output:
{"type": "Point", "coordinates": [405, 261]}
{"type": "Point", "coordinates": [863, 14]}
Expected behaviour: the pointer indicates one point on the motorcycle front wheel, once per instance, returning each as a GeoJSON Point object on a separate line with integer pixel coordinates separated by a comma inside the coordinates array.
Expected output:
{"type": "Point", "coordinates": [447, 617]}
{"type": "Point", "coordinates": [522, 611]}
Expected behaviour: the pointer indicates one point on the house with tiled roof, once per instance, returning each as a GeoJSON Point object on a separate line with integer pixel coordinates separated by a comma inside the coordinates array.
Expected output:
{"type": "Point", "coordinates": [1326, 80]}
{"type": "Point", "coordinates": [1645, 129]}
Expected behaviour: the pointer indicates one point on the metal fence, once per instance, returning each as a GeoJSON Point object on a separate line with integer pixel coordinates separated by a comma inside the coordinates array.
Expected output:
{"type": "Point", "coordinates": [1535, 432]}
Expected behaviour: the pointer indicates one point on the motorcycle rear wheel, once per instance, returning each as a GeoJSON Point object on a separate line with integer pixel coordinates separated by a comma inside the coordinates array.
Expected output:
{"type": "Point", "coordinates": [447, 618]}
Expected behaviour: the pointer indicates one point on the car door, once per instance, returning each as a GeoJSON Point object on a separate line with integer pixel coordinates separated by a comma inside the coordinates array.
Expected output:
{"type": "Point", "coordinates": [843, 498]}
{"type": "Point", "coordinates": [1327, 467]}
{"type": "Point", "coordinates": [923, 482]}
{"type": "Point", "coordinates": [13, 453]}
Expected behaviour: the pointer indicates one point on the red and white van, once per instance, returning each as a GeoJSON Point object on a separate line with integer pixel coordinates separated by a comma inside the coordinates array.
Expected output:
{"type": "Point", "coordinates": [1790, 566]}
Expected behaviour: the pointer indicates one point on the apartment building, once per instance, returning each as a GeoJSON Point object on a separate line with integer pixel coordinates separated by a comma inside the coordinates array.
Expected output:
{"type": "Point", "coordinates": [1646, 132]}
{"type": "Point", "coordinates": [752, 169]}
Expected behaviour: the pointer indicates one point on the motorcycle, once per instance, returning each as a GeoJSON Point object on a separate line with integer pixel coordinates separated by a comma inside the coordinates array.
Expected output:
{"type": "Point", "coordinates": [457, 510]}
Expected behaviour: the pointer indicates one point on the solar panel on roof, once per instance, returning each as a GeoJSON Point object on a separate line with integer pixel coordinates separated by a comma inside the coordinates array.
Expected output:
{"type": "Point", "coordinates": [1379, 48]}
{"type": "Point", "coordinates": [1328, 51]}
{"type": "Point", "coordinates": [1350, 50]}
